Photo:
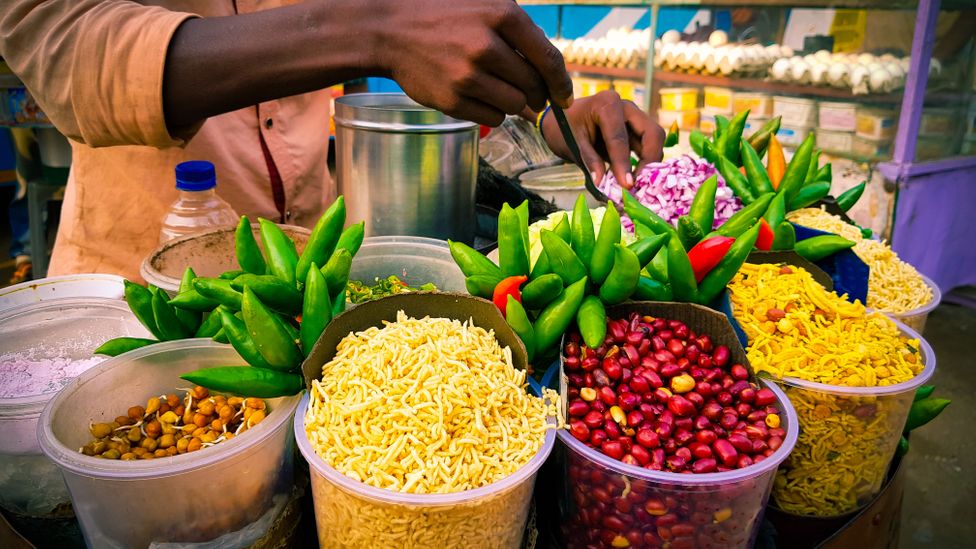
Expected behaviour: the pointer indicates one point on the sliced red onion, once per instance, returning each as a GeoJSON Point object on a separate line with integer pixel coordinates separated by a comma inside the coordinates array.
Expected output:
{"type": "Point", "coordinates": [669, 187]}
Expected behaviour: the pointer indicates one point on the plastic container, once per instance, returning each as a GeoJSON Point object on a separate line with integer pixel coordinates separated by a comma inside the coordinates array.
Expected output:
{"type": "Point", "coordinates": [841, 117]}
{"type": "Point", "coordinates": [758, 104]}
{"type": "Point", "coordinates": [351, 514]}
{"type": "Point", "coordinates": [687, 120]}
{"type": "Point", "coordinates": [209, 253]}
{"type": "Point", "coordinates": [795, 111]}
{"type": "Point", "coordinates": [416, 260]}
{"type": "Point", "coordinates": [939, 122]}
{"type": "Point", "coordinates": [916, 318]}
{"type": "Point", "coordinates": [718, 100]}
{"type": "Point", "coordinates": [876, 124]}
{"type": "Point", "coordinates": [870, 149]}
{"type": "Point", "coordinates": [679, 99]}
{"type": "Point", "coordinates": [186, 498]}
{"type": "Point", "coordinates": [753, 123]}
{"type": "Point", "coordinates": [558, 184]}
{"type": "Point", "coordinates": [834, 141]}
{"type": "Point", "coordinates": [706, 121]}
{"type": "Point", "coordinates": [722, 509]}
{"type": "Point", "coordinates": [848, 438]}
{"type": "Point", "coordinates": [198, 207]}
{"type": "Point", "coordinates": [792, 136]}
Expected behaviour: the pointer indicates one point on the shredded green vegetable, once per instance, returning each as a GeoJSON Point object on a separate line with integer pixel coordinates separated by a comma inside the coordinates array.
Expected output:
{"type": "Point", "coordinates": [358, 292]}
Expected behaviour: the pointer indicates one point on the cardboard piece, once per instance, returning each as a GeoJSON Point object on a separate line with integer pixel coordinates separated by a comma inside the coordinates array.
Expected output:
{"type": "Point", "coordinates": [418, 305]}
{"type": "Point", "coordinates": [792, 258]}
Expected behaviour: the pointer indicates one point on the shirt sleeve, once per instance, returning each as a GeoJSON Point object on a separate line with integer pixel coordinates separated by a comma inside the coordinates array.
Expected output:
{"type": "Point", "coordinates": [95, 67]}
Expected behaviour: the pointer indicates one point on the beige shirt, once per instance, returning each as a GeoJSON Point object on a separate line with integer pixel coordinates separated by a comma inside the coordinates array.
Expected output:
{"type": "Point", "coordinates": [96, 69]}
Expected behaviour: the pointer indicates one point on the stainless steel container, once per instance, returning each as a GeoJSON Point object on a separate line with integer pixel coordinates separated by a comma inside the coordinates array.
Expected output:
{"type": "Point", "coordinates": [406, 169]}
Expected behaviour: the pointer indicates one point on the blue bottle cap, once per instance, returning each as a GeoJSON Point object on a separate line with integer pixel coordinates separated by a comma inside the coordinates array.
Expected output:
{"type": "Point", "coordinates": [195, 175]}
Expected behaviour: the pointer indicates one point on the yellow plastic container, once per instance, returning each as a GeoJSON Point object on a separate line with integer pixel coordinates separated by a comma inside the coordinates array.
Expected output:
{"type": "Point", "coordinates": [679, 99]}
{"type": "Point", "coordinates": [758, 104]}
{"type": "Point", "coordinates": [718, 100]}
{"type": "Point", "coordinates": [876, 124]}
{"type": "Point", "coordinates": [687, 120]}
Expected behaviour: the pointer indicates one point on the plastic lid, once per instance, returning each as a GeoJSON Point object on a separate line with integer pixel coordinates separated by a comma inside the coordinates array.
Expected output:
{"type": "Point", "coordinates": [195, 175]}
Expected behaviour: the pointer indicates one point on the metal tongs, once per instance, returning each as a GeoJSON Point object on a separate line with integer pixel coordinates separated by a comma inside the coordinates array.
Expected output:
{"type": "Point", "coordinates": [567, 134]}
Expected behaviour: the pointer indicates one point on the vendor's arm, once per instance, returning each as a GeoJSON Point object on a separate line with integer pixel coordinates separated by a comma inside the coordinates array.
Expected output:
{"type": "Point", "coordinates": [607, 129]}
{"type": "Point", "coordinates": [116, 72]}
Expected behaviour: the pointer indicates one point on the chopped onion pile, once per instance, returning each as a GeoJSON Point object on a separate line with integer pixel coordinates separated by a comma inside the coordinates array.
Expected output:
{"type": "Point", "coordinates": [669, 187]}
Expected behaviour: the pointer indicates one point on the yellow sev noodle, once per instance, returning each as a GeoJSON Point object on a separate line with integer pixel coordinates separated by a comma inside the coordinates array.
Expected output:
{"type": "Point", "coordinates": [846, 441]}
{"type": "Point", "coordinates": [894, 286]}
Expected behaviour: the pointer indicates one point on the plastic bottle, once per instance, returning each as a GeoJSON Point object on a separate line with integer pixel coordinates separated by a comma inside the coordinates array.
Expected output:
{"type": "Point", "coordinates": [198, 207]}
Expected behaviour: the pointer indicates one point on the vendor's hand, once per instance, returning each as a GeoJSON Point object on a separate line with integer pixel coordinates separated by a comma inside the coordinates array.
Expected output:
{"type": "Point", "coordinates": [472, 59]}
{"type": "Point", "coordinates": [607, 128]}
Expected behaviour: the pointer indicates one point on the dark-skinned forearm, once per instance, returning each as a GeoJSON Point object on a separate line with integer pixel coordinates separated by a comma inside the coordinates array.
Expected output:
{"type": "Point", "coordinates": [220, 64]}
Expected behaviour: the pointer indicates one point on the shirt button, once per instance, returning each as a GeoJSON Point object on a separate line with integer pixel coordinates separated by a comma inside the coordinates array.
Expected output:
{"type": "Point", "coordinates": [268, 123]}
{"type": "Point", "coordinates": [288, 215]}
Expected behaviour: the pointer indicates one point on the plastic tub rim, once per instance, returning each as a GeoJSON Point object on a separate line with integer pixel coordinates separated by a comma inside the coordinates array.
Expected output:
{"type": "Point", "coordinates": [928, 360]}
{"type": "Point", "coordinates": [361, 489]}
{"type": "Point", "coordinates": [77, 463]}
{"type": "Point", "coordinates": [924, 309]}
{"type": "Point", "coordinates": [53, 280]}
{"type": "Point", "coordinates": [769, 465]}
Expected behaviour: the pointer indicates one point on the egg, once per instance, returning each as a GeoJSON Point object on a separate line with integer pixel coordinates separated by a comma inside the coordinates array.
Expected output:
{"type": "Point", "coordinates": [718, 38]}
{"type": "Point", "coordinates": [894, 69]}
{"type": "Point", "coordinates": [879, 81]}
{"type": "Point", "coordinates": [818, 73]}
{"type": "Point", "coordinates": [823, 56]}
{"type": "Point", "coordinates": [786, 51]}
{"type": "Point", "coordinates": [935, 67]}
{"type": "Point", "coordinates": [780, 69]}
{"type": "Point", "coordinates": [858, 79]}
{"type": "Point", "coordinates": [711, 61]}
{"type": "Point", "coordinates": [887, 57]}
{"type": "Point", "coordinates": [905, 62]}
{"type": "Point", "coordinates": [671, 37]}
{"type": "Point", "coordinates": [800, 71]}
{"type": "Point", "coordinates": [837, 75]}
{"type": "Point", "coordinates": [865, 58]}
{"type": "Point", "coordinates": [874, 66]}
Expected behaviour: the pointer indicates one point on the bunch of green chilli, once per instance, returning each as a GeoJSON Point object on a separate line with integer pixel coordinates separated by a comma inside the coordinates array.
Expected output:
{"type": "Point", "coordinates": [272, 310]}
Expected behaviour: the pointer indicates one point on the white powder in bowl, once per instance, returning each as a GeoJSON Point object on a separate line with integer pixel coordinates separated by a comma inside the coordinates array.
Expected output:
{"type": "Point", "coordinates": [23, 374]}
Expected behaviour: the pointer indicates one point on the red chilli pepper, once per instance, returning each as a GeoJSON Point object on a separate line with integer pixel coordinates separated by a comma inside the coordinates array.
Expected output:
{"type": "Point", "coordinates": [705, 255]}
{"type": "Point", "coordinates": [508, 287]}
{"type": "Point", "coordinates": [766, 236]}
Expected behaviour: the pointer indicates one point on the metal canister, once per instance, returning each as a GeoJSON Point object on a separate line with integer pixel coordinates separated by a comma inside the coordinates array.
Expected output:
{"type": "Point", "coordinates": [406, 169]}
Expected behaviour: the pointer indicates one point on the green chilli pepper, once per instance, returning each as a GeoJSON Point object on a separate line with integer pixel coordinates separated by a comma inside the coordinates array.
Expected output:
{"type": "Point", "coordinates": [649, 289]}
{"type": "Point", "coordinates": [336, 271]}
{"type": "Point", "coordinates": [824, 174]}
{"type": "Point", "coordinates": [776, 212]}
{"type": "Point", "coordinates": [784, 237]}
{"type": "Point", "coordinates": [272, 291]}
{"type": "Point", "coordinates": [316, 309]}
{"type": "Point", "coordinates": [192, 300]}
{"type": "Point", "coordinates": [744, 219]}
{"type": "Point", "coordinates": [241, 341]}
{"type": "Point", "coordinates": [562, 228]}
{"type": "Point", "coordinates": [221, 336]}
{"type": "Point", "coordinates": [755, 171]}
{"type": "Point", "coordinates": [603, 251]}
{"type": "Point", "coordinates": [219, 291]}
{"type": "Point", "coordinates": [708, 151]}
{"type": "Point", "coordinates": [540, 291]}
{"type": "Point", "coordinates": [728, 143]}
{"type": "Point", "coordinates": [212, 324]}
{"type": "Point", "coordinates": [562, 259]}
{"type": "Point", "coordinates": [541, 266]}
{"type": "Point", "coordinates": [702, 209]}
{"type": "Point", "coordinates": [760, 139]}
{"type": "Point", "coordinates": [866, 233]}
{"type": "Point", "coordinates": [472, 263]}
{"type": "Point", "coordinates": [583, 238]}
{"type": "Point", "coordinates": [119, 345]}
{"type": "Point", "coordinates": [249, 255]}
{"type": "Point", "coordinates": [812, 167]}
{"type": "Point", "coordinates": [819, 247]}
{"type": "Point", "coordinates": [483, 285]}
{"type": "Point", "coordinates": [164, 314]}
{"type": "Point", "coordinates": [721, 126]}
{"type": "Point", "coordinates": [696, 139]}
{"type": "Point", "coordinates": [647, 248]}
{"type": "Point", "coordinates": [523, 216]}
{"type": "Point", "coordinates": [925, 411]}
{"type": "Point", "coordinates": [322, 242]}
{"type": "Point", "coordinates": [190, 319]}
{"type": "Point", "coordinates": [352, 238]}
{"type": "Point", "coordinates": [689, 232]}
{"type": "Point", "coordinates": [796, 170]}
{"type": "Point", "coordinates": [245, 380]}
{"type": "Point", "coordinates": [275, 344]}
{"type": "Point", "coordinates": [640, 213]}
{"type": "Point", "coordinates": [735, 180]}
{"type": "Point", "coordinates": [140, 299]}
{"type": "Point", "coordinates": [622, 280]}
{"type": "Point", "coordinates": [718, 278]}
{"type": "Point", "coordinates": [557, 316]}
{"type": "Point", "coordinates": [518, 319]}
{"type": "Point", "coordinates": [809, 194]}
{"type": "Point", "coordinates": [230, 275]}
{"type": "Point", "coordinates": [282, 257]}
{"type": "Point", "coordinates": [680, 273]}
{"type": "Point", "coordinates": [658, 268]}
{"type": "Point", "coordinates": [924, 392]}
{"type": "Point", "coordinates": [592, 321]}
{"type": "Point", "coordinates": [848, 198]}
{"type": "Point", "coordinates": [902, 446]}
{"type": "Point", "coordinates": [339, 304]}
{"type": "Point", "coordinates": [511, 251]}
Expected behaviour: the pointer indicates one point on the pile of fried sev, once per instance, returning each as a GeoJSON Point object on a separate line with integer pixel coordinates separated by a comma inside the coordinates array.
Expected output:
{"type": "Point", "coordinates": [894, 286]}
{"type": "Point", "coordinates": [425, 406]}
{"type": "Point", "coordinates": [798, 329]}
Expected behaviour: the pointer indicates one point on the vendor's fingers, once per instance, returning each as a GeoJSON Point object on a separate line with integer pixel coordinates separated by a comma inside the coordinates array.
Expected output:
{"type": "Point", "coordinates": [527, 38]}
{"type": "Point", "coordinates": [616, 139]}
{"type": "Point", "coordinates": [514, 69]}
{"type": "Point", "coordinates": [469, 108]}
{"type": "Point", "coordinates": [594, 162]}
{"type": "Point", "coordinates": [493, 92]}
{"type": "Point", "coordinates": [649, 144]}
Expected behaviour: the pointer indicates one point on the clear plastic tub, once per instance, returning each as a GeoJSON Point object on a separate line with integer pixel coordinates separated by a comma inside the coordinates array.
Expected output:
{"type": "Point", "coordinates": [916, 318]}
{"type": "Point", "coordinates": [351, 514]}
{"type": "Point", "coordinates": [209, 253]}
{"type": "Point", "coordinates": [186, 498]}
{"type": "Point", "coordinates": [795, 111]}
{"type": "Point", "coordinates": [416, 260]}
{"type": "Point", "coordinates": [848, 438]}
{"type": "Point", "coordinates": [712, 510]}
{"type": "Point", "coordinates": [560, 185]}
